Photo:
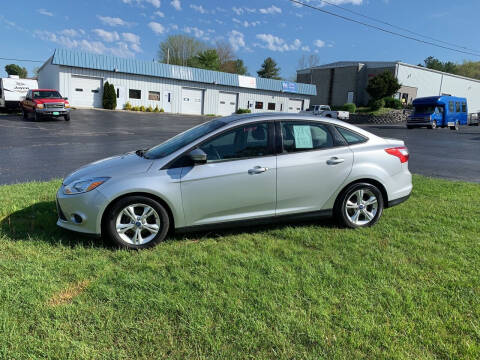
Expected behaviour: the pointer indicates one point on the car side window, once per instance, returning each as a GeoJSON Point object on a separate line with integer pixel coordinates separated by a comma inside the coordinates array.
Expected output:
{"type": "Point", "coordinates": [450, 106]}
{"type": "Point", "coordinates": [351, 137]}
{"type": "Point", "coordinates": [303, 136]}
{"type": "Point", "coordinates": [247, 141]}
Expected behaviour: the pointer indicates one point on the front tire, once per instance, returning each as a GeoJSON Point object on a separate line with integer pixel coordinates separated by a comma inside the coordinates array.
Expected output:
{"type": "Point", "coordinates": [36, 116]}
{"type": "Point", "coordinates": [359, 205]}
{"type": "Point", "coordinates": [136, 222]}
{"type": "Point", "coordinates": [67, 117]}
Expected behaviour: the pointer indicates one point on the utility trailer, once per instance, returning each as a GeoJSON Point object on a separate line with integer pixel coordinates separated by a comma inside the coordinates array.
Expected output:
{"type": "Point", "coordinates": [13, 90]}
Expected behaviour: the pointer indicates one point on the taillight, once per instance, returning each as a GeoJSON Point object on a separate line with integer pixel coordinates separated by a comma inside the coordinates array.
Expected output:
{"type": "Point", "coordinates": [401, 152]}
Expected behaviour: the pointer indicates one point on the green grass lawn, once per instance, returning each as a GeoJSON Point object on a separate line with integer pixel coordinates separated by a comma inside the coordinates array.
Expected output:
{"type": "Point", "coordinates": [408, 288]}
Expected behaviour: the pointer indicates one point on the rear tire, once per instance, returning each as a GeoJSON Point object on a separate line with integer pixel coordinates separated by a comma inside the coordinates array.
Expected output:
{"type": "Point", "coordinates": [359, 205]}
{"type": "Point", "coordinates": [126, 223]}
{"type": "Point", "coordinates": [456, 127]}
{"type": "Point", "coordinates": [24, 114]}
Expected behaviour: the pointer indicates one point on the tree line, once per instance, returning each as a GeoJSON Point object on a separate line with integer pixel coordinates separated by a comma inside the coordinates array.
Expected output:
{"type": "Point", "coordinates": [469, 69]}
{"type": "Point", "coordinates": [185, 50]}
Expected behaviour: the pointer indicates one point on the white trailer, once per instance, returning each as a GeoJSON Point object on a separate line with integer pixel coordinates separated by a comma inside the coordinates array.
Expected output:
{"type": "Point", "coordinates": [13, 90]}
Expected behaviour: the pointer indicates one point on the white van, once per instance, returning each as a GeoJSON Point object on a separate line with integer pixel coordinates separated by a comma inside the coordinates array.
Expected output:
{"type": "Point", "coordinates": [13, 90]}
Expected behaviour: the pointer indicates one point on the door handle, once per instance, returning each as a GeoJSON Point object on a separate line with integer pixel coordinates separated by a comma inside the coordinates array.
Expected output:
{"type": "Point", "coordinates": [335, 160]}
{"type": "Point", "coordinates": [257, 170]}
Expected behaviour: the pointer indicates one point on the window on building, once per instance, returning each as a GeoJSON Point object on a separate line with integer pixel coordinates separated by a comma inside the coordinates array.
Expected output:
{"type": "Point", "coordinates": [154, 95]}
{"type": "Point", "coordinates": [258, 105]}
{"type": "Point", "coordinates": [298, 136]}
{"type": "Point", "coordinates": [464, 107]}
{"type": "Point", "coordinates": [247, 141]}
{"type": "Point", "coordinates": [118, 93]}
{"type": "Point", "coordinates": [78, 89]}
{"type": "Point", "coordinates": [457, 106]}
{"type": "Point", "coordinates": [450, 106]}
{"type": "Point", "coordinates": [271, 106]}
{"type": "Point", "coordinates": [134, 94]}
{"type": "Point", "coordinates": [95, 91]}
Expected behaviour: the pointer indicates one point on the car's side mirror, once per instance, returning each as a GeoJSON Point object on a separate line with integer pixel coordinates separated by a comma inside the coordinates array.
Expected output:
{"type": "Point", "coordinates": [65, 98]}
{"type": "Point", "coordinates": [198, 156]}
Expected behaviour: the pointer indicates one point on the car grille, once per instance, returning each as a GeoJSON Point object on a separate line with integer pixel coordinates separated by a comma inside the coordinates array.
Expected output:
{"type": "Point", "coordinates": [54, 106]}
{"type": "Point", "coordinates": [61, 215]}
{"type": "Point", "coordinates": [418, 120]}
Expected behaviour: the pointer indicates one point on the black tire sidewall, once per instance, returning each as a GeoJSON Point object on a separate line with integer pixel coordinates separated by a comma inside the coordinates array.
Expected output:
{"type": "Point", "coordinates": [111, 216]}
{"type": "Point", "coordinates": [340, 208]}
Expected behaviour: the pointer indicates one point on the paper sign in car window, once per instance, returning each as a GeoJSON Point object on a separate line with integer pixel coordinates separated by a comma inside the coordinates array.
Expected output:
{"type": "Point", "coordinates": [303, 137]}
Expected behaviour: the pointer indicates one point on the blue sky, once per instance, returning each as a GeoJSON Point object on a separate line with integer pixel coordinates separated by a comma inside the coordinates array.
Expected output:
{"type": "Point", "coordinates": [255, 29]}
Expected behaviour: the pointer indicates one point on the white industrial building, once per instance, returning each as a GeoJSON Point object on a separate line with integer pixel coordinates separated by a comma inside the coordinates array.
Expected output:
{"type": "Point", "coordinates": [345, 81]}
{"type": "Point", "coordinates": [177, 89]}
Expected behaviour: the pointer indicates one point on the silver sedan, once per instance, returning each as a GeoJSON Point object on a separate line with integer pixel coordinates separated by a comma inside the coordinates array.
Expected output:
{"type": "Point", "coordinates": [235, 170]}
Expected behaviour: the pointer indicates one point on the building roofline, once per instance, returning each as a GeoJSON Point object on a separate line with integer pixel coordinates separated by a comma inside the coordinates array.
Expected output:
{"type": "Point", "coordinates": [80, 59]}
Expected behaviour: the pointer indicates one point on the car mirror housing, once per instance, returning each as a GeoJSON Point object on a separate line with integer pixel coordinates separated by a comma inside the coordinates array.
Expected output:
{"type": "Point", "coordinates": [198, 156]}
{"type": "Point", "coordinates": [65, 98]}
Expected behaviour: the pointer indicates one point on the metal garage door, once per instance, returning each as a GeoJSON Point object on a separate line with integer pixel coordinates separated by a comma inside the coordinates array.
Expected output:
{"type": "Point", "coordinates": [192, 101]}
{"type": "Point", "coordinates": [86, 91]}
{"type": "Point", "coordinates": [295, 105]}
{"type": "Point", "coordinates": [228, 103]}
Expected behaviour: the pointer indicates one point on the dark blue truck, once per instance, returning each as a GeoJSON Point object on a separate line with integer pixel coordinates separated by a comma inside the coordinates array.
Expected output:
{"type": "Point", "coordinates": [440, 111]}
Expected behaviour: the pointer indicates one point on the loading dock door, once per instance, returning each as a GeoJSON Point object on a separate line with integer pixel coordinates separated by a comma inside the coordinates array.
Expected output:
{"type": "Point", "coordinates": [228, 103]}
{"type": "Point", "coordinates": [192, 101]}
{"type": "Point", "coordinates": [86, 91]}
{"type": "Point", "coordinates": [295, 106]}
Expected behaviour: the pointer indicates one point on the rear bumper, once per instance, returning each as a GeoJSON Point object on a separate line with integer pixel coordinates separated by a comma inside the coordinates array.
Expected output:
{"type": "Point", "coordinates": [398, 201]}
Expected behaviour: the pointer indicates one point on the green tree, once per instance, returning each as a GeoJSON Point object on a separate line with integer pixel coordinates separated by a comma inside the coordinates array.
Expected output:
{"type": "Point", "coordinates": [383, 85]}
{"type": "Point", "coordinates": [269, 69]}
{"type": "Point", "coordinates": [14, 69]}
{"type": "Point", "coordinates": [207, 59]}
{"type": "Point", "coordinates": [435, 64]}
{"type": "Point", "coordinates": [109, 96]}
{"type": "Point", "coordinates": [469, 69]}
{"type": "Point", "coordinates": [179, 49]}
{"type": "Point", "coordinates": [234, 67]}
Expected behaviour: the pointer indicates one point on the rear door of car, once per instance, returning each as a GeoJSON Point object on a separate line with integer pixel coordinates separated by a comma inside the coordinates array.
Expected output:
{"type": "Point", "coordinates": [313, 163]}
{"type": "Point", "coordinates": [238, 182]}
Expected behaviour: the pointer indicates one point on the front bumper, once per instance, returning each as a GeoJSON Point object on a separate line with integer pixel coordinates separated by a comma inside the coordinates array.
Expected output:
{"type": "Point", "coordinates": [53, 112]}
{"type": "Point", "coordinates": [81, 212]}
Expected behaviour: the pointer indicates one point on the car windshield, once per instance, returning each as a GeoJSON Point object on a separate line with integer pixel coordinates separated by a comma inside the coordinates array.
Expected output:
{"type": "Point", "coordinates": [46, 94]}
{"type": "Point", "coordinates": [425, 109]}
{"type": "Point", "coordinates": [177, 142]}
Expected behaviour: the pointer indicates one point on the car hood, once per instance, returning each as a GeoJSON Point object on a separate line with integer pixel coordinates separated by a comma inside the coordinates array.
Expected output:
{"type": "Point", "coordinates": [125, 164]}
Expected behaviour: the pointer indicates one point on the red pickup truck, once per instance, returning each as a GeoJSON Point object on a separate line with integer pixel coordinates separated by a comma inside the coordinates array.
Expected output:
{"type": "Point", "coordinates": [45, 103]}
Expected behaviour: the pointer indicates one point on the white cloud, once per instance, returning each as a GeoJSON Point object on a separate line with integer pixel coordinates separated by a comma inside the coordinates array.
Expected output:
{"type": "Point", "coordinates": [276, 43]}
{"type": "Point", "coordinates": [155, 3]}
{"type": "Point", "coordinates": [113, 21]}
{"type": "Point", "coordinates": [159, 14]}
{"type": "Point", "coordinates": [306, 48]}
{"type": "Point", "coordinates": [107, 36]}
{"type": "Point", "coordinates": [72, 32]}
{"type": "Point", "coordinates": [44, 12]}
{"type": "Point", "coordinates": [176, 4]}
{"type": "Point", "coordinates": [131, 38]}
{"type": "Point", "coordinates": [174, 26]}
{"type": "Point", "coordinates": [198, 33]}
{"type": "Point", "coordinates": [319, 43]}
{"type": "Point", "coordinates": [121, 49]}
{"type": "Point", "coordinates": [238, 11]}
{"type": "Point", "coordinates": [245, 23]}
{"type": "Point", "coordinates": [271, 10]}
{"type": "Point", "coordinates": [236, 40]}
{"type": "Point", "coordinates": [156, 27]}
{"type": "Point", "coordinates": [198, 8]}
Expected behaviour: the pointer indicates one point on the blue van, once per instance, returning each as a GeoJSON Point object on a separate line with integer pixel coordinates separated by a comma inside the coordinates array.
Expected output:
{"type": "Point", "coordinates": [439, 111]}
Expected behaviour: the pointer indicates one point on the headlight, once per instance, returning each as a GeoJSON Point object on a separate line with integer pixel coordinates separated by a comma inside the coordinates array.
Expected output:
{"type": "Point", "coordinates": [84, 185]}
{"type": "Point", "coordinates": [40, 106]}
{"type": "Point", "coordinates": [67, 105]}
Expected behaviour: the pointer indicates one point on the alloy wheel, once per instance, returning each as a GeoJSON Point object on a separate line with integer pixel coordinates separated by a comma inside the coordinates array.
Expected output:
{"type": "Point", "coordinates": [138, 224]}
{"type": "Point", "coordinates": [361, 207]}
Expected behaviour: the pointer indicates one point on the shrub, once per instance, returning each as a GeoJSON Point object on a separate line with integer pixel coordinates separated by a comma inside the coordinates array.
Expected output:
{"type": "Point", "coordinates": [135, 108]}
{"type": "Point", "coordinates": [393, 103]}
{"type": "Point", "coordinates": [161, 110]}
{"type": "Point", "coordinates": [149, 109]}
{"type": "Point", "coordinates": [349, 107]}
{"type": "Point", "coordinates": [377, 104]}
{"type": "Point", "coordinates": [210, 115]}
{"type": "Point", "coordinates": [127, 106]}
{"type": "Point", "coordinates": [109, 96]}
{"type": "Point", "coordinates": [243, 111]}
{"type": "Point", "coordinates": [142, 108]}
{"type": "Point", "coordinates": [156, 109]}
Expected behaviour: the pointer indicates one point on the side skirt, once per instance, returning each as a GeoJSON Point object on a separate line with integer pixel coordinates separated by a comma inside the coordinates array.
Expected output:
{"type": "Point", "coordinates": [263, 221]}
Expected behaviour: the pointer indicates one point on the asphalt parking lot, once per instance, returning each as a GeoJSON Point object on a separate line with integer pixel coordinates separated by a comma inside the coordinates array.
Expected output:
{"type": "Point", "coordinates": [53, 148]}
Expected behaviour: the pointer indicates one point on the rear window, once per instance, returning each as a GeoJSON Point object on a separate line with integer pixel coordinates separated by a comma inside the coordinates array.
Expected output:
{"type": "Point", "coordinates": [351, 137]}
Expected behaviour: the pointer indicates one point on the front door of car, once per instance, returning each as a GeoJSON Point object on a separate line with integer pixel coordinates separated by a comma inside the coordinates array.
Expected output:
{"type": "Point", "coordinates": [311, 167]}
{"type": "Point", "coordinates": [238, 182]}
